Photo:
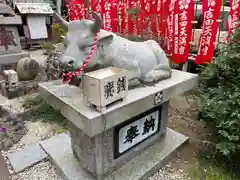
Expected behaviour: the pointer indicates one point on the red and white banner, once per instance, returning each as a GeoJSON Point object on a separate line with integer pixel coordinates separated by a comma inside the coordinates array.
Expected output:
{"type": "Point", "coordinates": [183, 17]}
{"type": "Point", "coordinates": [233, 18]}
{"type": "Point", "coordinates": [140, 18]}
{"type": "Point", "coordinates": [108, 21]}
{"type": "Point", "coordinates": [159, 18]}
{"type": "Point", "coordinates": [122, 17]}
{"type": "Point", "coordinates": [211, 11]}
{"type": "Point", "coordinates": [170, 4]}
{"type": "Point", "coordinates": [76, 9]}
{"type": "Point", "coordinates": [163, 21]}
{"type": "Point", "coordinates": [130, 5]}
{"type": "Point", "coordinates": [98, 7]}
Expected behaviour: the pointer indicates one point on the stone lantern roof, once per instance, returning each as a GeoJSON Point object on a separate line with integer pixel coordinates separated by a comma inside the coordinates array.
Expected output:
{"type": "Point", "coordinates": [8, 17]}
{"type": "Point", "coordinates": [6, 10]}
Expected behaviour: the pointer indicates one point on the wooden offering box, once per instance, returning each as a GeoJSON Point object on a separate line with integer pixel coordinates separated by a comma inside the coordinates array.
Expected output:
{"type": "Point", "coordinates": [105, 86]}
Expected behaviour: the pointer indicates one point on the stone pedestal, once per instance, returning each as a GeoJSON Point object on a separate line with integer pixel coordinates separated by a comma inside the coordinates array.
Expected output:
{"type": "Point", "coordinates": [104, 142]}
{"type": "Point", "coordinates": [103, 153]}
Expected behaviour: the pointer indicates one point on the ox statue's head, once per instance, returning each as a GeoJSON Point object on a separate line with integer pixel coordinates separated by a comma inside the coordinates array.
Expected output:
{"type": "Point", "coordinates": [79, 40]}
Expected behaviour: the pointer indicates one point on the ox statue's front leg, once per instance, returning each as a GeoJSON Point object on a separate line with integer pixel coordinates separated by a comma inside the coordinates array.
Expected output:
{"type": "Point", "coordinates": [159, 73]}
{"type": "Point", "coordinates": [161, 70]}
{"type": "Point", "coordinates": [133, 79]}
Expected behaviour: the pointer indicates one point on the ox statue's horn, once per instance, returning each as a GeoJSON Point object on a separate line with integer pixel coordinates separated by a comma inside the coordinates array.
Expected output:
{"type": "Point", "coordinates": [97, 24]}
{"type": "Point", "coordinates": [63, 22]}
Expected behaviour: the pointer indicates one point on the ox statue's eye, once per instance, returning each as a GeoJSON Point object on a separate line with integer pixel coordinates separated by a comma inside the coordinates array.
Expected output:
{"type": "Point", "coordinates": [85, 47]}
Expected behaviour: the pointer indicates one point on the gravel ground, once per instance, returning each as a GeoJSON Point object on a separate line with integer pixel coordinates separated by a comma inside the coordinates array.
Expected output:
{"type": "Point", "coordinates": [37, 131]}
{"type": "Point", "coordinates": [169, 173]}
{"type": "Point", "coordinates": [41, 171]}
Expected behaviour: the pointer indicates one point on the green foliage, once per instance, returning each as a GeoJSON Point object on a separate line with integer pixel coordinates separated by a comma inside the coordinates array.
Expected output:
{"type": "Point", "coordinates": [220, 103]}
{"type": "Point", "coordinates": [87, 3]}
{"type": "Point", "coordinates": [58, 28]}
{"type": "Point", "coordinates": [58, 31]}
{"type": "Point", "coordinates": [208, 171]}
{"type": "Point", "coordinates": [210, 165]}
{"type": "Point", "coordinates": [38, 110]}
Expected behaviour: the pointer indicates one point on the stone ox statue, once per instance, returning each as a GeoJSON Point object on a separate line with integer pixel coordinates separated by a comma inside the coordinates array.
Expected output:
{"type": "Point", "coordinates": [146, 60]}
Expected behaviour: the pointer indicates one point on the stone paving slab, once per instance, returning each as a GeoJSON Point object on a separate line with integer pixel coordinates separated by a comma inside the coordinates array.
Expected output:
{"type": "Point", "coordinates": [60, 151]}
{"type": "Point", "coordinates": [26, 157]}
{"type": "Point", "coordinates": [139, 168]}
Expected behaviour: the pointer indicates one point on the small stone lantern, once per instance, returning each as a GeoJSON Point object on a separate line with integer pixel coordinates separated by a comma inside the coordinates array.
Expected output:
{"type": "Point", "coordinates": [10, 48]}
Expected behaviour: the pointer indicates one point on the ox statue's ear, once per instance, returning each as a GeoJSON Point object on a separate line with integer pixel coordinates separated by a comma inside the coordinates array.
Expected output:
{"type": "Point", "coordinates": [105, 40]}
{"type": "Point", "coordinates": [97, 23]}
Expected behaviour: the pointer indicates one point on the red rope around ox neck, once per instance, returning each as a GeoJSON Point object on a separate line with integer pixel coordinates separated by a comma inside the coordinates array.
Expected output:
{"type": "Point", "coordinates": [69, 75]}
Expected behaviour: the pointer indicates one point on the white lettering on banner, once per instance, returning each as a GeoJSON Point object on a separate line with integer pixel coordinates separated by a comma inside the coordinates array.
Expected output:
{"type": "Point", "coordinates": [209, 13]}
{"type": "Point", "coordinates": [208, 22]}
{"type": "Point", "coordinates": [158, 6]}
{"type": "Point", "coordinates": [170, 29]}
{"type": "Point", "coordinates": [147, 6]}
{"type": "Point", "coordinates": [107, 17]}
{"type": "Point", "coordinates": [181, 50]}
{"type": "Point", "coordinates": [183, 40]}
{"type": "Point", "coordinates": [176, 34]}
{"type": "Point", "coordinates": [211, 3]}
{"type": "Point", "coordinates": [205, 50]}
{"type": "Point", "coordinates": [80, 9]}
{"type": "Point", "coordinates": [208, 39]}
{"type": "Point", "coordinates": [184, 4]}
{"type": "Point", "coordinates": [183, 16]}
{"type": "Point", "coordinates": [98, 7]}
{"type": "Point", "coordinates": [208, 31]}
{"type": "Point", "coordinates": [108, 22]}
{"type": "Point", "coordinates": [170, 25]}
{"type": "Point", "coordinates": [233, 18]}
{"type": "Point", "coordinates": [183, 32]}
{"type": "Point", "coordinates": [235, 7]}
{"type": "Point", "coordinates": [171, 6]}
{"type": "Point", "coordinates": [234, 1]}
{"type": "Point", "coordinates": [107, 6]}
{"type": "Point", "coordinates": [183, 23]}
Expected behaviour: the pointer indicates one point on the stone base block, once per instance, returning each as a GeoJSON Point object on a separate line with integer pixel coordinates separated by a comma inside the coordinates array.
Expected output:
{"type": "Point", "coordinates": [107, 151]}
{"type": "Point", "coordinates": [12, 58]}
{"type": "Point", "coordinates": [139, 168]}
